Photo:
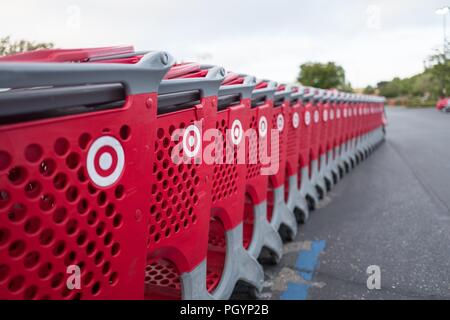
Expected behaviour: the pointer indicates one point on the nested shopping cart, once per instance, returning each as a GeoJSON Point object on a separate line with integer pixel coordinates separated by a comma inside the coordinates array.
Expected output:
{"type": "Point", "coordinates": [228, 261]}
{"type": "Point", "coordinates": [295, 202]}
{"type": "Point", "coordinates": [345, 134]}
{"type": "Point", "coordinates": [74, 152]}
{"type": "Point", "coordinates": [314, 107]}
{"type": "Point", "coordinates": [179, 214]}
{"type": "Point", "coordinates": [280, 216]}
{"type": "Point", "coordinates": [305, 185]}
{"type": "Point", "coordinates": [351, 130]}
{"type": "Point", "coordinates": [324, 122]}
{"type": "Point", "coordinates": [333, 151]}
{"type": "Point", "coordinates": [259, 234]}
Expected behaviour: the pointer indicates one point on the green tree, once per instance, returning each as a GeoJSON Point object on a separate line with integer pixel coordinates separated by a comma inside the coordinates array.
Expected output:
{"type": "Point", "coordinates": [441, 71]}
{"type": "Point", "coordinates": [324, 76]}
{"type": "Point", "coordinates": [9, 46]}
{"type": "Point", "coordinates": [369, 90]}
{"type": "Point", "coordinates": [391, 89]}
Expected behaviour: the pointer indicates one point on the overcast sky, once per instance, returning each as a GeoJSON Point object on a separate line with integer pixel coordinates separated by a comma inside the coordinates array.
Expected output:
{"type": "Point", "coordinates": [373, 40]}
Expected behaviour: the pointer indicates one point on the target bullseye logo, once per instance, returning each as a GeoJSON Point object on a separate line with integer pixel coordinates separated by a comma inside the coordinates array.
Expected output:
{"type": "Point", "coordinates": [280, 122]}
{"type": "Point", "coordinates": [105, 161]}
{"type": "Point", "coordinates": [307, 118]}
{"type": "Point", "coordinates": [316, 116]}
{"type": "Point", "coordinates": [295, 120]}
{"type": "Point", "coordinates": [236, 132]}
{"type": "Point", "coordinates": [325, 115]}
{"type": "Point", "coordinates": [191, 141]}
{"type": "Point", "coordinates": [263, 127]}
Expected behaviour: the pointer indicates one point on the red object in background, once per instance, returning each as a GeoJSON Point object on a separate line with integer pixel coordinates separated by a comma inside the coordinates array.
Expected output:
{"type": "Point", "coordinates": [442, 103]}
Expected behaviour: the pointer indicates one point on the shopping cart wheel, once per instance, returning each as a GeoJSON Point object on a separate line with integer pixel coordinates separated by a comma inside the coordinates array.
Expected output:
{"type": "Point", "coordinates": [311, 203]}
{"type": "Point", "coordinates": [320, 193]}
{"type": "Point", "coordinates": [335, 176]}
{"type": "Point", "coordinates": [300, 216]}
{"type": "Point", "coordinates": [328, 185]}
{"type": "Point", "coordinates": [347, 167]}
{"type": "Point", "coordinates": [287, 236]}
{"type": "Point", "coordinates": [274, 259]}
{"type": "Point", "coordinates": [341, 172]}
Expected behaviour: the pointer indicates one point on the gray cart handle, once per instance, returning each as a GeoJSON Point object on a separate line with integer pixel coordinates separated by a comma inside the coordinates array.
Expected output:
{"type": "Point", "coordinates": [208, 86]}
{"type": "Point", "coordinates": [142, 77]}
{"type": "Point", "coordinates": [244, 90]}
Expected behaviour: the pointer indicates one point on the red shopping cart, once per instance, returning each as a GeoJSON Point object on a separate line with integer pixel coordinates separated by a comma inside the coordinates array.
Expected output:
{"type": "Point", "coordinates": [73, 165]}
{"type": "Point", "coordinates": [278, 213]}
{"type": "Point", "coordinates": [305, 152]}
{"type": "Point", "coordinates": [228, 261]}
{"type": "Point", "coordinates": [179, 214]}
{"type": "Point", "coordinates": [316, 154]}
{"type": "Point", "coordinates": [296, 203]}
{"type": "Point", "coordinates": [258, 233]}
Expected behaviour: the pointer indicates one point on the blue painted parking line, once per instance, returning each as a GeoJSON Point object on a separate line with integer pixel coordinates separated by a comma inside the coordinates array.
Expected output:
{"type": "Point", "coordinates": [307, 261]}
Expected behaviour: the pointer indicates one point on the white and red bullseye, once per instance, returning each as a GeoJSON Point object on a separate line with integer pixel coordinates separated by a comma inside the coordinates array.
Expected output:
{"type": "Point", "coordinates": [280, 122]}
{"type": "Point", "coordinates": [236, 132]}
{"type": "Point", "coordinates": [316, 117]}
{"type": "Point", "coordinates": [307, 118]}
{"type": "Point", "coordinates": [295, 120]}
{"type": "Point", "coordinates": [191, 141]}
{"type": "Point", "coordinates": [263, 126]}
{"type": "Point", "coordinates": [105, 161]}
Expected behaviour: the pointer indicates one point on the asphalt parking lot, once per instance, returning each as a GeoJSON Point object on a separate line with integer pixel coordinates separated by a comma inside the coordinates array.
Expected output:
{"type": "Point", "coordinates": [392, 211]}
